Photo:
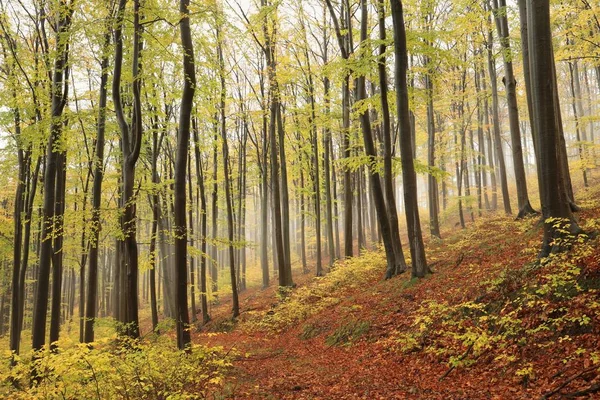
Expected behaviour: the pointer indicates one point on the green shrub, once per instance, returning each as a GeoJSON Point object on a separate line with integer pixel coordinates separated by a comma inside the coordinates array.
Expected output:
{"type": "Point", "coordinates": [128, 370]}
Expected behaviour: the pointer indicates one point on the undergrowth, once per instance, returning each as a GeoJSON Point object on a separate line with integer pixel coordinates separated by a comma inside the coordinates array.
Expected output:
{"type": "Point", "coordinates": [299, 304]}
{"type": "Point", "coordinates": [127, 370]}
{"type": "Point", "coordinates": [519, 312]}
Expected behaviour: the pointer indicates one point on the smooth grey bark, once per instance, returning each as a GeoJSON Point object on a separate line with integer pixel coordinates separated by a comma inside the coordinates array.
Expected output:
{"type": "Point", "coordinates": [227, 178]}
{"type": "Point", "coordinates": [345, 48]}
{"type": "Point", "coordinates": [510, 83]}
{"type": "Point", "coordinates": [578, 114]}
{"type": "Point", "coordinates": [204, 229]}
{"type": "Point", "coordinates": [497, 139]}
{"type": "Point", "coordinates": [555, 203]}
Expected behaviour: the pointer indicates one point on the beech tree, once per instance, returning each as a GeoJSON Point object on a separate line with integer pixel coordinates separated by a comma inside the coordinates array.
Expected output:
{"type": "Point", "coordinates": [110, 220]}
{"type": "Point", "coordinates": [556, 209]}
{"type": "Point", "coordinates": [53, 184]}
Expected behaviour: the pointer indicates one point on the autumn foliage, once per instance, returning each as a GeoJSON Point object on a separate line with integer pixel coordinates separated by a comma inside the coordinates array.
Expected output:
{"type": "Point", "coordinates": [490, 322]}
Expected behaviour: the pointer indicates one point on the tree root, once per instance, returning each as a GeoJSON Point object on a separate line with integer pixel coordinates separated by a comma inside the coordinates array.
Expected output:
{"type": "Point", "coordinates": [527, 211]}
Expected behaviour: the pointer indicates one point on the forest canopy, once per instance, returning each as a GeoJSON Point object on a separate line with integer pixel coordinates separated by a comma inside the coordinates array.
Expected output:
{"type": "Point", "coordinates": [160, 159]}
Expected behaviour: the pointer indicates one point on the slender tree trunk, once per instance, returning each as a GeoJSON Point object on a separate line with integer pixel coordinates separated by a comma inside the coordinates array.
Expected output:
{"type": "Point", "coordinates": [510, 83]}
{"type": "Point", "coordinates": [409, 177]}
{"type": "Point", "coordinates": [191, 240]}
{"type": "Point", "coordinates": [343, 42]}
{"type": "Point", "coordinates": [577, 114]}
{"type": "Point", "coordinates": [302, 225]}
{"type": "Point", "coordinates": [327, 160]}
{"type": "Point", "coordinates": [204, 230]}
{"type": "Point", "coordinates": [230, 230]}
{"type": "Point", "coordinates": [214, 273]}
{"type": "Point", "coordinates": [24, 158]}
{"type": "Point", "coordinates": [59, 99]}
{"type": "Point", "coordinates": [91, 312]}
{"type": "Point", "coordinates": [496, 125]}
{"type": "Point", "coordinates": [183, 144]}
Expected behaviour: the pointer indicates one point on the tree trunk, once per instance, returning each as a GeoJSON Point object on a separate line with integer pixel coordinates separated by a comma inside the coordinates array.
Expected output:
{"type": "Point", "coordinates": [578, 115]}
{"type": "Point", "coordinates": [496, 124]}
{"type": "Point", "coordinates": [230, 230]}
{"type": "Point", "coordinates": [59, 99]}
{"type": "Point", "coordinates": [91, 312]}
{"type": "Point", "coordinates": [343, 42]}
{"type": "Point", "coordinates": [409, 176]}
{"type": "Point", "coordinates": [510, 84]}
{"type": "Point", "coordinates": [183, 144]}
{"type": "Point", "coordinates": [555, 203]}
{"type": "Point", "coordinates": [203, 233]}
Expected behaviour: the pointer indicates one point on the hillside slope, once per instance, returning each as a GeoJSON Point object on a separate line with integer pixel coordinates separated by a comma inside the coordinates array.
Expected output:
{"type": "Point", "coordinates": [489, 323]}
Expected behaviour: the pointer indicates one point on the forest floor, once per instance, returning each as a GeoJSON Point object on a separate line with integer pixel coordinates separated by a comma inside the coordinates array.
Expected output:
{"type": "Point", "coordinates": [489, 323]}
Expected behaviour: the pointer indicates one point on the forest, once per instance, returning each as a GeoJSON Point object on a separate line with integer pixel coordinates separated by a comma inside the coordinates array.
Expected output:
{"type": "Point", "coordinates": [311, 199]}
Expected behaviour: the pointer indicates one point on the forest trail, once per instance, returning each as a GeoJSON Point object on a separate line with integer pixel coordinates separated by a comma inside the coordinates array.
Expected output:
{"type": "Point", "coordinates": [471, 330]}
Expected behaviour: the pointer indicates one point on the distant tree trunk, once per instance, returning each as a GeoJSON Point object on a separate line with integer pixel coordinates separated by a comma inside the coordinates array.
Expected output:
{"type": "Point", "coordinates": [92, 291]}
{"type": "Point", "coordinates": [458, 165]}
{"type": "Point", "coordinates": [490, 149]}
{"type": "Point", "coordinates": [230, 230]}
{"type": "Point", "coordinates": [285, 201]}
{"type": "Point", "coordinates": [336, 225]}
{"type": "Point", "coordinates": [343, 42]}
{"type": "Point", "coordinates": [496, 124]}
{"type": "Point", "coordinates": [264, 208]}
{"type": "Point", "coordinates": [153, 256]}
{"type": "Point", "coordinates": [214, 272]}
{"type": "Point", "coordinates": [526, 69]}
{"type": "Point", "coordinates": [432, 184]}
{"type": "Point", "coordinates": [327, 157]}
{"type": "Point", "coordinates": [203, 233]}
{"type": "Point", "coordinates": [302, 226]}
{"type": "Point", "coordinates": [409, 176]}
{"type": "Point", "coordinates": [590, 111]}
{"type": "Point", "coordinates": [192, 241]}
{"type": "Point", "coordinates": [315, 162]}
{"type": "Point", "coordinates": [281, 249]}
{"type": "Point", "coordinates": [510, 83]}
{"type": "Point", "coordinates": [154, 200]}
{"type": "Point", "coordinates": [555, 203]}
{"type": "Point", "coordinates": [242, 168]}
{"type": "Point", "coordinates": [578, 114]}
{"type": "Point", "coordinates": [481, 154]}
